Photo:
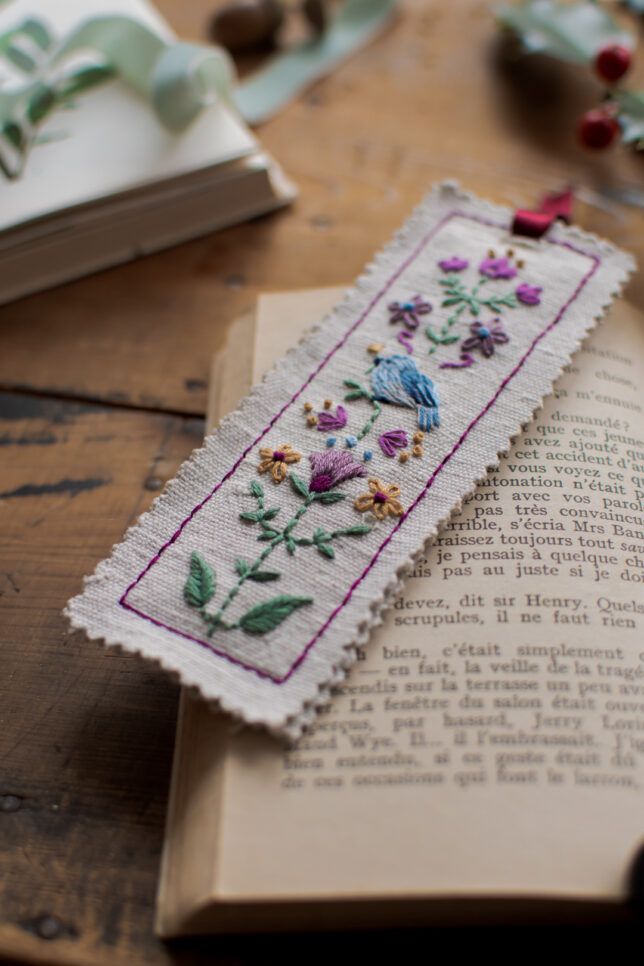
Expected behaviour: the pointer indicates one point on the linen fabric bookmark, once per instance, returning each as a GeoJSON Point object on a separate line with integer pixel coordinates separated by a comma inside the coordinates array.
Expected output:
{"type": "Point", "coordinates": [280, 543]}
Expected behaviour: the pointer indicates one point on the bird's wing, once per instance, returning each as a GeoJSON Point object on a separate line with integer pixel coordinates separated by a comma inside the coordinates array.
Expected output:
{"type": "Point", "coordinates": [387, 385]}
{"type": "Point", "coordinates": [420, 387]}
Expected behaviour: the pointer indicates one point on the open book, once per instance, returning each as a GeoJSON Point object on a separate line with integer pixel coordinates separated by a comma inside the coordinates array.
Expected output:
{"type": "Point", "coordinates": [487, 750]}
{"type": "Point", "coordinates": [105, 181]}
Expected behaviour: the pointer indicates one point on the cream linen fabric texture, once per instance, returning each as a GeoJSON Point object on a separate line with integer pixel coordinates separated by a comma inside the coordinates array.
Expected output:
{"type": "Point", "coordinates": [135, 598]}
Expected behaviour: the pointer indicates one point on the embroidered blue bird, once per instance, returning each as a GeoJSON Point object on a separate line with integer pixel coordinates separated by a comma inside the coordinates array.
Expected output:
{"type": "Point", "coordinates": [397, 380]}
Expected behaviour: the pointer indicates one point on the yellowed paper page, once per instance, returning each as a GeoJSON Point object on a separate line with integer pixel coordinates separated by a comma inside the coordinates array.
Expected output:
{"type": "Point", "coordinates": [492, 738]}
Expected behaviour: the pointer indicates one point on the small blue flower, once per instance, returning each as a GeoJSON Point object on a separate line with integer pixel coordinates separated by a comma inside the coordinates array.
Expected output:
{"type": "Point", "coordinates": [367, 455]}
{"type": "Point", "coordinates": [351, 441]}
{"type": "Point", "coordinates": [331, 441]}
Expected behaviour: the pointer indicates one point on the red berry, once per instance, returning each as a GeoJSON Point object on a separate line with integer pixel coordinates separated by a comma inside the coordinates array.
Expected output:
{"type": "Point", "coordinates": [597, 129]}
{"type": "Point", "coordinates": [612, 62]}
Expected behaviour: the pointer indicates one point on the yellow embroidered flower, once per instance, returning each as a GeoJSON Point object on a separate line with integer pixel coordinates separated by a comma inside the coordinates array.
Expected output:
{"type": "Point", "coordinates": [381, 500]}
{"type": "Point", "coordinates": [276, 460]}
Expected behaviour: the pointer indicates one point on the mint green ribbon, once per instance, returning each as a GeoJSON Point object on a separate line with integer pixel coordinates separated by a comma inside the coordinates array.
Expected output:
{"type": "Point", "coordinates": [265, 92]}
{"type": "Point", "coordinates": [177, 79]}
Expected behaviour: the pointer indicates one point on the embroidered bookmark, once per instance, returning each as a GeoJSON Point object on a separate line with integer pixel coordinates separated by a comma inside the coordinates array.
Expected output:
{"type": "Point", "coordinates": [276, 549]}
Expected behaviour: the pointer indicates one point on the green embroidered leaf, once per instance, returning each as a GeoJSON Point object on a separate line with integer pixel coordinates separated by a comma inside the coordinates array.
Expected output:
{"type": "Point", "coordinates": [256, 489]}
{"type": "Point", "coordinates": [357, 531]}
{"type": "Point", "coordinates": [326, 550]}
{"type": "Point", "coordinates": [242, 567]}
{"type": "Point", "coordinates": [270, 514]}
{"type": "Point", "coordinates": [572, 32]}
{"type": "Point", "coordinates": [303, 542]}
{"type": "Point", "coordinates": [631, 116]}
{"type": "Point", "coordinates": [352, 384]}
{"type": "Point", "coordinates": [262, 576]}
{"type": "Point", "coordinates": [267, 616]}
{"type": "Point", "coordinates": [253, 516]}
{"type": "Point", "coordinates": [40, 103]}
{"type": "Point", "coordinates": [299, 485]}
{"type": "Point", "coordinates": [475, 306]}
{"type": "Point", "coordinates": [200, 585]}
{"type": "Point", "coordinates": [452, 301]}
{"type": "Point", "coordinates": [268, 535]}
{"type": "Point", "coordinates": [321, 536]}
{"type": "Point", "coordinates": [449, 339]}
{"type": "Point", "coordinates": [332, 496]}
{"type": "Point", "coordinates": [350, 396]}
{"type": "Point", "coordinates": [290, 545]}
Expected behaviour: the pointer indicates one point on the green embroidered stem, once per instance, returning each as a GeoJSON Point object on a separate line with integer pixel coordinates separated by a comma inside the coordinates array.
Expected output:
{"type": "Point", "coordinates": [368, 426]}
{"type": "Point", "coordinates": [358, 391]}
{"type": "Point", "coordinates": [215, 620]}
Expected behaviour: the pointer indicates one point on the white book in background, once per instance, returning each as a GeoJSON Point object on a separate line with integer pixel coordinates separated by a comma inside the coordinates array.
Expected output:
{"type": "Point", "coordinates": [109, 182]}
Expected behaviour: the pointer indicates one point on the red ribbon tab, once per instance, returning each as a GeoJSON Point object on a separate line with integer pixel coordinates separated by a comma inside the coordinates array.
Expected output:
{"type": "Point", "coordinates": [535, 224]}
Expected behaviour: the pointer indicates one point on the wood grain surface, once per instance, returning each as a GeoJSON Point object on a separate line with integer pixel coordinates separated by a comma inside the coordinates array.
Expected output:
{"type": "Point", "coordinates": [103, 387]}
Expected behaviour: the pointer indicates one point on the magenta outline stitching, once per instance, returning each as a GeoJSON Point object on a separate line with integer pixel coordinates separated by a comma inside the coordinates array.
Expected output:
{"type": "Point", "coordinates": [408, 261]}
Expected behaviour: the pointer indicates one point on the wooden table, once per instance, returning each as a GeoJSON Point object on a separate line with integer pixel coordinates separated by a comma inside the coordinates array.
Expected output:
{"type": "Point", "coordinates": [103, 392]}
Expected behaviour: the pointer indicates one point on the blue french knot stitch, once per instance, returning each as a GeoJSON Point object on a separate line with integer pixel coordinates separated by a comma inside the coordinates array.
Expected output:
{"type": "Point", "coordinates": [367, 455]}
{"type": "Point", "coordinates": [398, 380]}
{"type": "Point", "coordinates": [351, 441]}
{"type": "Point", "coordinates": [331, 441]}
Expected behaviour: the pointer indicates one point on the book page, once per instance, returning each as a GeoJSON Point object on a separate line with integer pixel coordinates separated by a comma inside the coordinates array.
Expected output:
{"type": "Point", "coordinates": [491, 738]}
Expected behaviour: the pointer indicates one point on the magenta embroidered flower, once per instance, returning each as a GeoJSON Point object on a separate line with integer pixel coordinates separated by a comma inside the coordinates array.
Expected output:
{"type": "Point", "coordinates": [485, 337]}
{"type": "Point", "coordinates": [392, 440]}
{"type": "Point", "coordinates": [454, 264]}
{"type": "Point", "coordinates": [330, 469]}
{"type": "Point", "coordinates": [408, 312]}
{"type": "Point", "coordinates": [529, 294]}
{"type": "Point", "coordinates": [497, 268]}
{"type": "Point", "coordinates": [330, 421]}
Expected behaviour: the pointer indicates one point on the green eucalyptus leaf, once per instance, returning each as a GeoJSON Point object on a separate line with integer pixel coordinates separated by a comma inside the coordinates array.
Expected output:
{"type": "Point", "coordinates": [20, 59]}
{"type": "Point", "coordinates": [38, 32]}
{"type": "Point", "coordinates": [200, 585]}
{"type": "Point", "coordinates": [253, 516]}
{"type": "Point", "coordinates": [267, 616]}
{"type": "Point", "coordinates": [573, 32]}
{"type": "Point", "coordinates": [452, 301]}
{"type": "Point", "coordinates": [84, 78]}
{"type": "Point", "coordinates": [272, 513]}
{"type": "Point", "coordinates": [356, 531]}
{"type": "Point", "coordinates": [299, 485]}
{"type": "Point", "coordinates": [351, 396]}
{"type": "Point", "coordinates": [268, 535]}
{"type": "Point", "coordinates": [291, 545]}
{"type": "Point", "coordinates": [40, 103]}
{"type": "Point", "coordinates": [631, 116]}
{"type": "Point", "coordinates": [14, 135]}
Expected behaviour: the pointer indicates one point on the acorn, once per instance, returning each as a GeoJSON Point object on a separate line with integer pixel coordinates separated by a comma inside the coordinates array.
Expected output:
{"type": "Point", "coordinates": [246, 25]}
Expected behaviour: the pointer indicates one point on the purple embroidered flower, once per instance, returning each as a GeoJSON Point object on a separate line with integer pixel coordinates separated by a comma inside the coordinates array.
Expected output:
{"type": "Point", "coordinates": [328, 421]}
{"type": "Point", "coordinates": [408, 312]}
{"type": "Point", "coordinates": [485, 337]}
{"type": "Point", "coordinates": [330, 469]}
{"type": "Point", "coordinates": [453, 264]}
{"type": "Point", "coordinates": [497, 268]}
{"type": "Point", "coordinates": [392, 440]}
{"type": "Point", "coordinates": [529, 294]}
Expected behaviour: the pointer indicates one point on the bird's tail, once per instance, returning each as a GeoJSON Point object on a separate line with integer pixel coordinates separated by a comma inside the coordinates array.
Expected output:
{"type": "Point", "coordinates": [428, 418]}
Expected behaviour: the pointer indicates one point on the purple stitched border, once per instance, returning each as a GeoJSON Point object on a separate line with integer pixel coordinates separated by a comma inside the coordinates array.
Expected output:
{"type": "Point", "coordinates": [410, 258]}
